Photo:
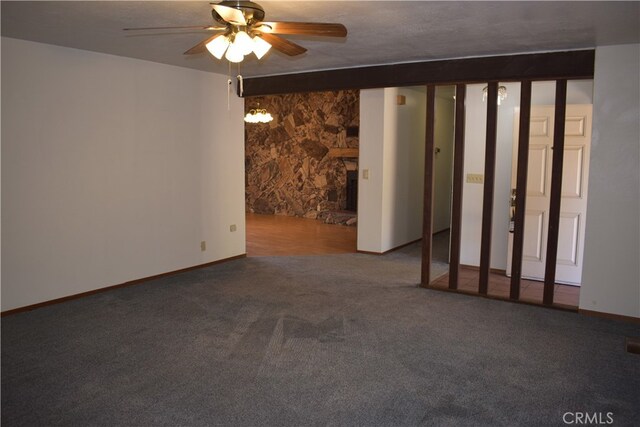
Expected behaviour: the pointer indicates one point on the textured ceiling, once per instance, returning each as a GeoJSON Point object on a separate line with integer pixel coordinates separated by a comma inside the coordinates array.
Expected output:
{"type": "Point", "coordinates": [380, 32]}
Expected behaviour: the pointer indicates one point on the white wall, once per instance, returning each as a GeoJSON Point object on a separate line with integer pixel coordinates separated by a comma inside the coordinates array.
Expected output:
{"type": "Point", "coordinates": [611, 275]}
{"type": "Point", "coordinates": [392, 150]}
{"type": "Point", "coordinates": [443, 163]}
{"type": "Point", "coordinates": [370, 160]}
{"type": "Point", "coordinates": [475, 133]}
{"type": "Point", "coordinates": [543, 93]}
{"type": "Point", "coordinates": [113, 169]}
{"type": "Point", "coordinates": [403, 175]}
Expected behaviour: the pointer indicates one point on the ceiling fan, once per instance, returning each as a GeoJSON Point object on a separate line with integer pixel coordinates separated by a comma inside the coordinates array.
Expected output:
{"type": "Point", "coordinates": [242, 31]}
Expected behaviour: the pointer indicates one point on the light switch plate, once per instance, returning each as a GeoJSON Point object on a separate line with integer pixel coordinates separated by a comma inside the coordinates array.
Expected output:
{"type": "Point", "coordinates": [475, 178]}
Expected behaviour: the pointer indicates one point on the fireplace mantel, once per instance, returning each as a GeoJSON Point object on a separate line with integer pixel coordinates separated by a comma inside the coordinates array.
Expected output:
{"type": "Point", "coordinates": [344, 153]}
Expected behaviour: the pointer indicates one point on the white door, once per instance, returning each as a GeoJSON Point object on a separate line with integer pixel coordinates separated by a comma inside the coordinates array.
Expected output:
{"type": "Point", "coordinates": [573, 206]}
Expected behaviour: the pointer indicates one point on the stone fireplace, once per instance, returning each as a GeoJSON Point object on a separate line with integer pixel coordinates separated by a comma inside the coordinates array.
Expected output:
{"type": "Point", "coordinates": [299, 164]}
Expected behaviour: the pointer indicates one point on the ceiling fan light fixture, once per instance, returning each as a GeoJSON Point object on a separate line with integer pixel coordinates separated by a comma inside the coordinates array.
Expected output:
{"type": "Point", "coordinates": [234, 54]}
{"type": "Point", "coordinates": [242, 31]}
{"type": "Point", "coordinates": [243, 42]}
{"type": "Point", "coordinates": [218, 46]}
{"type": "Point", "coordinates": [260, 46]}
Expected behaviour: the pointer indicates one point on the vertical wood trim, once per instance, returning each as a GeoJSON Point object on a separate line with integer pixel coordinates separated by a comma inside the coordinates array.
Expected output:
{"type": "Point", "coordinates": [521, 188]}
{"type": "Point", "coordinates": [489, 183]}
{"type": "Point", "coordinates": [556, 191]}
{"type": "Point", "coordinates": [429, 157]}
{"type": "Point", "coordinates": [458, 181]}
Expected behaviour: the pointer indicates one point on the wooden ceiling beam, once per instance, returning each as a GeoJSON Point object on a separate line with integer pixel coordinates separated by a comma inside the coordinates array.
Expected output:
{"type": "Point", "coordinates": [577, 64]}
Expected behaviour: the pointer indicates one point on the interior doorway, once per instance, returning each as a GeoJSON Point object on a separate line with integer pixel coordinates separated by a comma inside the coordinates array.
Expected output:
{"type": "Point", "coordinates": [301, 174]}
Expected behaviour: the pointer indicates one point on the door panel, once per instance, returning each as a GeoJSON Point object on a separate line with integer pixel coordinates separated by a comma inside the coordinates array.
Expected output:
{"type": "Point", "coordinates": [574, 192]}
{"type": "Point", "coordinates": [572, 172]}
{"type": "Point", "coordinates": [539, 126]}
{"type": "Point", "coordinates": [574, 126]}
{"type": "Point", "coordinates": [534, 226]}
{"type": "Point", "coordinates": [537, 171]}
{"type": "Point", "coordinates": [568, 238]}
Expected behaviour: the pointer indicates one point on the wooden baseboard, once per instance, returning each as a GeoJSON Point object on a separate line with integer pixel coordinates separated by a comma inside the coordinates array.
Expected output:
{"type": "Point", "coordinates": [390, 250]}
{"type": "Point", "coordinates": [556, 306]}
{"type": "Point", "coordinates": [610, 316]}
{"type": "Point", "coordinates": [632, 344]}
{"type": "Point", "coordinates": [109, 288]}
{"type": "Point", "coordinates": [524, 301]}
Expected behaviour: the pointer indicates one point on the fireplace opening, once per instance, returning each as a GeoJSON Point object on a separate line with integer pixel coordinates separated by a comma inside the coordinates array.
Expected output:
{"type": "Point", "coordinates": [352, 191]}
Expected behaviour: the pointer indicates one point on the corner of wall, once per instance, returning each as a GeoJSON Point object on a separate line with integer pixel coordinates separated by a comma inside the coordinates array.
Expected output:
{"type": "Point", "coordinates": [611, 276]}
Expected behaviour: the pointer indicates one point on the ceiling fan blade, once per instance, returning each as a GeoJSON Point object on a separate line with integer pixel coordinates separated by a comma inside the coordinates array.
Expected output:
{"type": "Point", "coordinates": [202, 46]}
{"type": "Point", "coordinates": [283, 45]}
{"type": "Point", "coordinates": [306, 28]}
{"type": "Point", "coordinates": [183, 27]}
{"type": "Point", "coordinates": [230, 14]}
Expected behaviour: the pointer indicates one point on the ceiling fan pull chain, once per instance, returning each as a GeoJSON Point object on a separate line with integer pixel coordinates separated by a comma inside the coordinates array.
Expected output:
{"type": "Point", "coordinates": [239, 77]}
{"type": "Point", "coordinates": [240, 82]}
{"type": "Point", "coordinates": [229, 88]}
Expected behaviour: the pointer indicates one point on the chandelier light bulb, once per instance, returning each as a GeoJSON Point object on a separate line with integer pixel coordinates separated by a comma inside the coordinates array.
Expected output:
{"type": "Point", "coordinates": [502, 94]}
{"type": "Point", "coordinates": [234, 54]}
{"type": "Point", "coordinates": [260, 46]}
{"type": "Point", "coordinates": [243, 42]}
{"type": "Point", "coordinates": [218, 46]}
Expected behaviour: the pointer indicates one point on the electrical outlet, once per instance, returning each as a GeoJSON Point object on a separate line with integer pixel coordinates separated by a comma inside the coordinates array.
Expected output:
{"type": "Point", "coordinates": [475, 178]}
{"type": "Point", "coordinates": [203, 246]}
{"type": "Point", "coordinates": [232, 228]}
{"type": "Point", "coordinates": [365, 173]}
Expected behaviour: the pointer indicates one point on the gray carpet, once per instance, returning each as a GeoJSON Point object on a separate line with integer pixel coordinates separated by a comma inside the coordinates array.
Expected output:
{"type": "Point", "coordinates": [330, 340]}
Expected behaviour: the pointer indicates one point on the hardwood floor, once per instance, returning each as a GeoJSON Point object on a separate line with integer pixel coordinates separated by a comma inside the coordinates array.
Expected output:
{"type": "Point", "coordinates": [530, 290]}
{"type": "Point", "coordinates": [275, 235]}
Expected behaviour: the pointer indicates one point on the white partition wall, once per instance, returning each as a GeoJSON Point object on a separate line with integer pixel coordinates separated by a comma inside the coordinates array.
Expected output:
{"type": "Point", "coordinates": [391, 163]}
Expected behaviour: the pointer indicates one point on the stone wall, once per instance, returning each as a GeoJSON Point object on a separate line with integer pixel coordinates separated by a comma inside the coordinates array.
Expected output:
{"type": "Point", "coordinates": [289, 170]}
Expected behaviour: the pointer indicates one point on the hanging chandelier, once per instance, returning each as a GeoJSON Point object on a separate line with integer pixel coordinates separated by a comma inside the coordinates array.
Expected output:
{"type": "Point", "coordinates": [502, 94]}
{"type": "Point", "coordinates": [258, 115]}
